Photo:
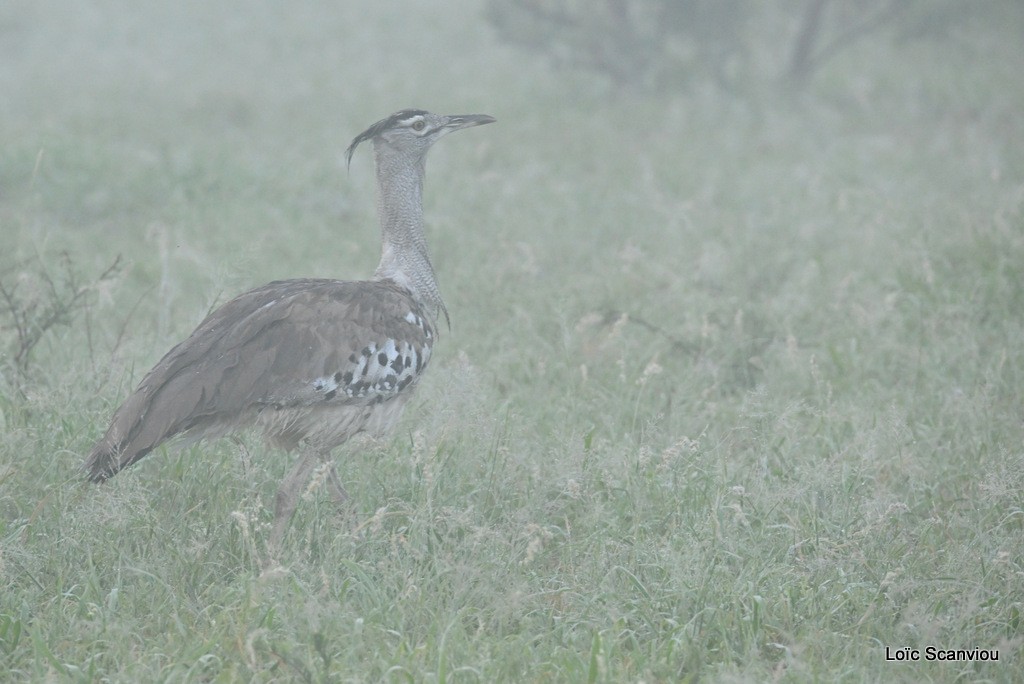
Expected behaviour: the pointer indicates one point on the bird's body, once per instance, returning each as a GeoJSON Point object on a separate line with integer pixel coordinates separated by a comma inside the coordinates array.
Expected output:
{"type": "Point", "coordinates": [313, 360]}
{"type": "Point", "coordinates": [310, 362]}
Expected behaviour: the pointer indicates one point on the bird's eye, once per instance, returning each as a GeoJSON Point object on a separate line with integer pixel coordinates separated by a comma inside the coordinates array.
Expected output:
{"type": "Point", "coordinates": [419, 125]}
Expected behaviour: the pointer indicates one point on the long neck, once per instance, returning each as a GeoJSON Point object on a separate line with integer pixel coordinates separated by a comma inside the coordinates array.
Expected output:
{"type": "Point", "coordinates": [404, 257]}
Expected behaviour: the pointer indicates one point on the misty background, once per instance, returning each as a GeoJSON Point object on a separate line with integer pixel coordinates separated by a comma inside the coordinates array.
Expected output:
{"type": "Point", "coordinates": [733, 384]}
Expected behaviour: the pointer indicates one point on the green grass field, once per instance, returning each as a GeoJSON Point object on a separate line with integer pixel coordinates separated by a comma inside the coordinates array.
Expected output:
{"type": "Point", "coordinates": [732, 392]}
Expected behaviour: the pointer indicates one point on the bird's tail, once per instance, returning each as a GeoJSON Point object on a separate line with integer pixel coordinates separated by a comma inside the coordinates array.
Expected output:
{"type": "Point", "coordinates": [106, 460]}
{"type": "Point", "coordinates": [132, 434]}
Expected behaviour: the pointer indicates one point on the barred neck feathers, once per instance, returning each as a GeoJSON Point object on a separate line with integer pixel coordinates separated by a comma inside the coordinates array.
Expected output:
{"type": "Point", "coordinates": [404, 257]}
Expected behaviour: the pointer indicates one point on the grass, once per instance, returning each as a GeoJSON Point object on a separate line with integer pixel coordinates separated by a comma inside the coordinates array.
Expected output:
{"type": "Point", "coordinates": [732, 390]}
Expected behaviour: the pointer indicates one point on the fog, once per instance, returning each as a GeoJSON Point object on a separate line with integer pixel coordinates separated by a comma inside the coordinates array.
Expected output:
{"type": "Point", "coordinates": [732, 386]}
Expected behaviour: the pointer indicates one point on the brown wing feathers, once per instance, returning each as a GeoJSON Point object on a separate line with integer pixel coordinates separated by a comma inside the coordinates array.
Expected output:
{"type": "Point", "coordinates": [266, 348]}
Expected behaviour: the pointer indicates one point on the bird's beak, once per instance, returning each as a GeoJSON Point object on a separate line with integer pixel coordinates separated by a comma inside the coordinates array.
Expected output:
{"type": "Point", "coordinates": [457, 121]}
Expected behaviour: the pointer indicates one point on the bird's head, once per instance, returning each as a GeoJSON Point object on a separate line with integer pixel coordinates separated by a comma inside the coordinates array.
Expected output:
{"type": "Point", "coordinates": [413, 131]}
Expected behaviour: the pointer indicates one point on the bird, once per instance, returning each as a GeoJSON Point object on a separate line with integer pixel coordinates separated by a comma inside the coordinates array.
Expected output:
{"type": "Point", "coordinates": [311, 362]}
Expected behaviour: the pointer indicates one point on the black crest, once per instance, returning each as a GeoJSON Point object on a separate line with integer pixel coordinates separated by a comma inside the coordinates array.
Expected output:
{"type": "Point", "coordinates": [379, 127]}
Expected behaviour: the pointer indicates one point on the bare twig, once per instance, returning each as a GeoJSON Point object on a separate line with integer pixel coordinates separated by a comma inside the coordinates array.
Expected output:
{"type": "Point", "coordinates": [676, 342]}
{"type": "Point", "coordinates": [31, 316]}
{"type": "Point", "coordinates": [805, 62]}
{"type": "Point", "coordinates": [800, 66]}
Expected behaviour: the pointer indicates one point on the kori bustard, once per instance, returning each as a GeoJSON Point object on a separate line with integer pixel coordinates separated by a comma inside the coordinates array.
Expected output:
{"type": "Point", "coordinates": [310, 363]}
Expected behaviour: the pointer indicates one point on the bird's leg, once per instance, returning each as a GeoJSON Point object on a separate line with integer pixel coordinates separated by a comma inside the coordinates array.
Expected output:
{"type": "Point", "coordinates": [288, 495]}
{"type": "Point", "coordinates": [338, 492]}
